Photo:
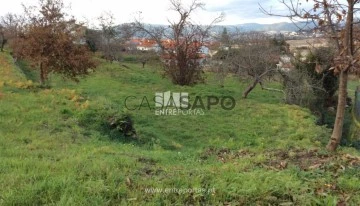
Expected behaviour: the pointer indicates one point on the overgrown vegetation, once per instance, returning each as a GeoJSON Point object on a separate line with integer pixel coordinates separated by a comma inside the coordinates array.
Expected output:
{"type": "Point", "coordinates": [338, 22]}
{"type": "Point", "coordinates": [255, 57]}
{"type": "Point", "coordinates": [62, 153]}
{"type": "Point", "coordinates": [99, 141]}
{"type": "Point", "coordinates": [310, 83]}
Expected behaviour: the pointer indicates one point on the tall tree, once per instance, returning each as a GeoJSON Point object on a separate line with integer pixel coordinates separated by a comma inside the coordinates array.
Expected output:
{"type": "Point", "coordinates": [184, 39]}
{"type": "Point", "coordinates": [109, 33]}
{"type": "Point", "coordinates": [336, 19]}
{"type": "Point", "coordinates": [49, 42]}
{"type": "Point", "coordinates": [225, 38]}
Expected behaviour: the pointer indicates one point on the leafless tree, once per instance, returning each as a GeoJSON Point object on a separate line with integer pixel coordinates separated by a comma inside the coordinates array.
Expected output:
{"type": "Point", "coordinates": [113, 36]}
{"type": "Point", "coordinates": [10, 28]}
{"type": "Point", "coordinates": [250, 55]}
{"type": "Point", "coordinates": [107, 25]}
{"type": "Point", "coordinates": [336, 19]}
{"type": "Point", "coordinates": [180, 42]}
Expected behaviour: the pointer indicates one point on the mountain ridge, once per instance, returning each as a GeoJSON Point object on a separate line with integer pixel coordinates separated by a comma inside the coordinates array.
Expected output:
{"type": "Point", "coordinates": [277, 27]}
{"type": "Point", "coordinates": [281, 26]}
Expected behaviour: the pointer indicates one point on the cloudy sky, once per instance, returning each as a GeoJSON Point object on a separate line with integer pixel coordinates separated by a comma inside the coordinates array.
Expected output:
{"type": "Point", "coordinates": [157, 11]}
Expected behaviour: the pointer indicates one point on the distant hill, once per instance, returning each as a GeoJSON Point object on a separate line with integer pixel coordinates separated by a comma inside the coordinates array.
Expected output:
{"type": "Point", "coordinates": [277, 27]}
{"type": "Point", "coordinates": [282, 26]}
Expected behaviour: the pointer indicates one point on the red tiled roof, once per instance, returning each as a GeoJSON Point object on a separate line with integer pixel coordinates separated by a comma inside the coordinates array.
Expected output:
{"type": "Point", "coordinates": [143, 42]}
{"type": "Point", "coordinates": [170, 45]}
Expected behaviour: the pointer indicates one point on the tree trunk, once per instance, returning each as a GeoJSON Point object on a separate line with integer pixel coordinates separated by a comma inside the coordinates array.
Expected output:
{"type": "Point", "coordinates": [2, 43]}
{"type": "Point", "coordinates": [340, 113]}
{"type": "Point", "coordinates": [43, 75]}
{"type": "Point", "coordinates": [348, 44]}
{"type": "Point", "coordinates": [250, 88]}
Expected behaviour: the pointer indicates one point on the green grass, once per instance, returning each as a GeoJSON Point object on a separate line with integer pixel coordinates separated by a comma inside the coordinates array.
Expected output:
{"type": "Point", "coordinates": [56, 149]}
{"type": "Point", "coordinates": [9, 72]}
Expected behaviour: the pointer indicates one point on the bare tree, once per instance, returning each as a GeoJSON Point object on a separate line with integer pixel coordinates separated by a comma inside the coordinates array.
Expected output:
{"type": "Point", "coordinates": [10, 27]}
{"type": "Point", "coordinates": [180, 43]}
{"type": "Point", "coordinates": [330, 16]}
{"type": "Point", "coordinates": [113, 36]}
{"type": "Point", "coordinates": [107, 25]}
{"type": "Point", "coordinates": [250, 54]}
{"type": "Point", "coordinates": [145, 57]}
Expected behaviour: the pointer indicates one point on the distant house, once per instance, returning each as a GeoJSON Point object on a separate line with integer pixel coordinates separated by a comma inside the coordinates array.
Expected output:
{"type": "Point", "coordinates": [285, 63]}
{"type": "Point", "coordinates": [307, 43]}
{"type": "Point", "coordinates": [132, 44]}
{"type": "Point", "coordinates": [199, 56]}
{"type": "Point", "coordinates": [169, 46]}
{"type": "Point", "coordinates": [143, 45]}
{"type": "Point", "coordinates": [204, 50]}
{"type": "Point", "coordinates": [146, 45]}
{"type": "Point", "coordinates": [293, 34]}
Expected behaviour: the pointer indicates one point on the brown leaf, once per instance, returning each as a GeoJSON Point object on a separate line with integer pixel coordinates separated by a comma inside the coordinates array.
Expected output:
{"type": "Point", "coordinates": [315, 166]}
{"type": "Point", "coordinates": [341, 203]}
{"type": "Point", "coordinates": [283, 164]}
{"type": "Point", "coordinates": [128, 182]}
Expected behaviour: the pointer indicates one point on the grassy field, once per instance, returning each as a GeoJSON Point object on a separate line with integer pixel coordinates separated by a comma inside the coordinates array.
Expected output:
{"type": "Point", "coordinates": [56, 147]}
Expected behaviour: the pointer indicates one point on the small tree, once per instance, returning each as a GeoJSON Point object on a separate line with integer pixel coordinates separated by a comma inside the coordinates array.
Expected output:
{"type": "Point", "coordinates": [109, 33]}
{"type": "Point", "coordinates": [145, 57]}
{"type": "Point", "coordinates": [48, 42]}
{"type": "Point", "coordinates": [253, 55]}
{"type": "Point", "coordinates": [93, 39]}
{"type": "Point", "coordinates": [113, 36]}
{"type": "Point", "coordinates": [183, 41]}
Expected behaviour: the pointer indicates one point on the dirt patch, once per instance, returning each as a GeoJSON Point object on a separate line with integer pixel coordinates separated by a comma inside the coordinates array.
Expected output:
{"type": "Point", "coordinates": [149, 168]}
{"type": "Point", "coordinates": [308, 160]}
{"type": "Point", "coordinates": [149, 171]}
{"type": "Point", "coordinates": [277, 160]}
{"type": "Point", "coordinates": [146, 160]}
{"type": "Point", "coordinates": [225, 154]}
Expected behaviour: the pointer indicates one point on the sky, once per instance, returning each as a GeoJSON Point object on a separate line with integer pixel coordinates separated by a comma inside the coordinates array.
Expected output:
{"type": "Point", "coordinates": [158, 11]}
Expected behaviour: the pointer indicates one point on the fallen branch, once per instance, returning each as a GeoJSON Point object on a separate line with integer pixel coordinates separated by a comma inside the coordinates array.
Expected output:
{"type": "Point", "coordinates": [125, 66]}
{"type": "Point", "coordinates": [271, 89]}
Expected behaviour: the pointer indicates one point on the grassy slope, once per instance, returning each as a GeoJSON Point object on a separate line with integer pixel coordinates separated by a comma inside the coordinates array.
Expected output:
{"type": "Point", "coordinates": [55, 149]}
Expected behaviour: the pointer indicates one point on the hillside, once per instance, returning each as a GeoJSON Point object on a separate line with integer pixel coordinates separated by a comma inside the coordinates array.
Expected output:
{"type": "Point", "coordinates": [57, 147]}
{"type": "Point", "coordinates": [282, 26]}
